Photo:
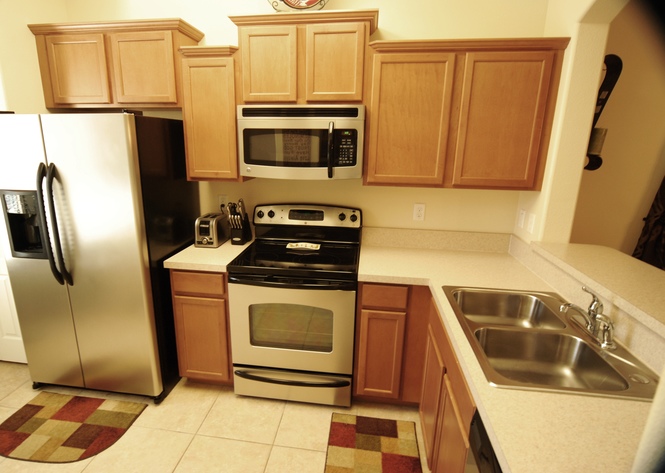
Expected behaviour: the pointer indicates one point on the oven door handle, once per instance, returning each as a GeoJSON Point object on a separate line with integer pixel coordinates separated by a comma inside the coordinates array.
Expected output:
{"type": "Point", "coordinates": [267, 281]}
{"type": "Point", "coordinates": [289, 382]}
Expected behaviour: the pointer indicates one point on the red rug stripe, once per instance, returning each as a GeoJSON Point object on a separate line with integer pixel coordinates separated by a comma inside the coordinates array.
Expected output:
{"type": "Point", "coordinates": [391, 463]}
{"type": "Point", "coordinates": [107, 437]}
{"type": "Point", "coordinates": [342, 435]}
{"type": "Point", "coordinates": [78, 409]}
{"type": "Point", "coordinates": [10, 440]}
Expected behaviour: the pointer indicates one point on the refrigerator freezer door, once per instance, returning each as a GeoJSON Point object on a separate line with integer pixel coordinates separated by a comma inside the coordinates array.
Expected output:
{"type": "Point", "coordinates": [41, 303]}
{"type": "Point", "coordinates": [98, 201]}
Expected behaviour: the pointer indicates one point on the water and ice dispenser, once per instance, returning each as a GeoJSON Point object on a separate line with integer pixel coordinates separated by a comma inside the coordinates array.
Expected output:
{"type": "Point", "coordinates": [24, 224]}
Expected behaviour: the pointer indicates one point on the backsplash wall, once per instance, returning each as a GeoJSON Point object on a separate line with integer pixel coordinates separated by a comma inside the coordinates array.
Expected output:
{"type": "Point", "coordinates": [389, 207]}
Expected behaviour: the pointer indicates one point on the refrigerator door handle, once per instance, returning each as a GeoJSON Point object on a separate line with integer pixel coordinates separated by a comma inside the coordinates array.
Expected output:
{"type": "Point", "coordinates": [50, 175]}
{"type": "Point", "coordinates": [41, 174]}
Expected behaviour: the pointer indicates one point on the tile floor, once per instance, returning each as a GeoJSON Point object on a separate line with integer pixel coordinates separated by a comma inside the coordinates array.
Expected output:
{"type": "Point", "coordinates": [203, 428]}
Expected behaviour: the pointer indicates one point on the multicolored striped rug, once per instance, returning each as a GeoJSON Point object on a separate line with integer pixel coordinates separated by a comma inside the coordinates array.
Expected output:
{"type": "Point", "coordinates": [57, 428]}
{"type": "Point", "coordinates": [359, 444]}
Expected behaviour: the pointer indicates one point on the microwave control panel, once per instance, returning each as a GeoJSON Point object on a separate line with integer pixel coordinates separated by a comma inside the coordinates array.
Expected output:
{"type": "Point", "coordinates": [345, 144]}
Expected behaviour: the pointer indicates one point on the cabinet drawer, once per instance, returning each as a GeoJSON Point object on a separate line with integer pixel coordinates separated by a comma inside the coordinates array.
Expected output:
{"type": "Point", "coordinates": [188, 282]}
{"type": "Point", "coordinates": [385, 296]}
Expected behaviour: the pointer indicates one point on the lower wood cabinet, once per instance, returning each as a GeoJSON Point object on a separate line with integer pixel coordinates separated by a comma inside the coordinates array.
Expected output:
{"type": "Point", "coordinates": [390, 334]}
{"type": "Point", "coordinates": [446, 405]}
{"type": "Point", "coordinates": [201, 324]}
{"type": "Point", "coordinates": [381, 345]}
{"type": "Point", "coordinates": [452, 446]}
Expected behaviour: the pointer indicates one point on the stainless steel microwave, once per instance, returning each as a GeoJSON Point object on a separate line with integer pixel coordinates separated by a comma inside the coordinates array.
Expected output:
{"type": "Point", "coordinates": [301, 141]}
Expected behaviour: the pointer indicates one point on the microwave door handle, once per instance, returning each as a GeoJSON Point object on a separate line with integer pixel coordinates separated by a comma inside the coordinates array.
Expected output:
{"type": "Point", "coordinates": [331, 144]}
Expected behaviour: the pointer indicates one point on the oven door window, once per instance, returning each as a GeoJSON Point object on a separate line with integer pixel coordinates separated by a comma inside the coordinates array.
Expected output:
{"type": "Point", "coordinates": [291, 326]}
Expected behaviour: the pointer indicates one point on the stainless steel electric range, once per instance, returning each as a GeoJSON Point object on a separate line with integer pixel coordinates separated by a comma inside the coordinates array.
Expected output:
{"type": "Point", "coordinates": [292, 301]}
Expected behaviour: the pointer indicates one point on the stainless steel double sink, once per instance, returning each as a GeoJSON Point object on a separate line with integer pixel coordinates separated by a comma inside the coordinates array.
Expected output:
{"type": "Point", "coordinates": [523, 341]}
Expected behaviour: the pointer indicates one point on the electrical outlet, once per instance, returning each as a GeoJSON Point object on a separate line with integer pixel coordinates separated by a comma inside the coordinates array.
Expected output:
{"type": "Point", "coordinates": [531, 224]}
{"type": "Point", "coordinates": [222, 200]}
{"type": "Point", "coordinates": [521, 218]}
{"type": "Point", "coordinates": [419, 212]}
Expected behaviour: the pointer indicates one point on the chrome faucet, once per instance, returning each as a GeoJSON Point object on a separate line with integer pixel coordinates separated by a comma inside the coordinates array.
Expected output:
{"type": "Point", "coordinates": [596, 324]}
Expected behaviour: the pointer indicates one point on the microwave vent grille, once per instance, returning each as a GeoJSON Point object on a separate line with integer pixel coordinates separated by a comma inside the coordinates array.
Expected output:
{"type": "Point", "coordinates": [299, 112]}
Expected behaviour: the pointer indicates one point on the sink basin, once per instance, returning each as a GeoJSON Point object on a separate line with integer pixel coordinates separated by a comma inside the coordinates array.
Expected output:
{"type": "Point", "coordinates": [523, 341]}
{"type": "Point", "coordinates": [550, 359]}
{"type": "Point", "coordinates": [509, 308]}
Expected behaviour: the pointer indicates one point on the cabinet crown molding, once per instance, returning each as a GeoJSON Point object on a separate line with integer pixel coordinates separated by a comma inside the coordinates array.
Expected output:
{"type": "Point", "coordinates": [176, 24]}
{"type": "Point", "coordinates": [470, 45]}
{"type": "Point", "coordinates": [309, 18]}
{"type": "Point", "coordinates": [207, 51]}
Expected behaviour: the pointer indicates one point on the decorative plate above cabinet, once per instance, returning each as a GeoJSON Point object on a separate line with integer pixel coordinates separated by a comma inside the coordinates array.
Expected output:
{"type": "Point", "coordinates": [113, 64]}
{"type": "Point", "coordinates": [296, 5]}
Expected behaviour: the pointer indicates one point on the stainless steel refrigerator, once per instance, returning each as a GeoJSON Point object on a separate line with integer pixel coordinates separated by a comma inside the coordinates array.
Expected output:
{"type": "Point", "coordinates": [93, 204]}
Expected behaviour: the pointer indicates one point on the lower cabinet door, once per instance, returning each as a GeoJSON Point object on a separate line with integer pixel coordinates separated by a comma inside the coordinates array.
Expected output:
{"type": "Point", "coordinates": [381, 343]}
{"type": "Point", "coordinates": [453, 443]}
{"type": "Point", "coordinates": [202, 338]}
{"type": "Point", "coordinates": [430, 399]}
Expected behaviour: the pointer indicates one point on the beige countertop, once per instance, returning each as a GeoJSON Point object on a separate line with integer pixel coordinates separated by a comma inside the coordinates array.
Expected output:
{"type": "Point", "coordinates": [530, 430]}
{"type": "Point", "coordinates": [205, 259]}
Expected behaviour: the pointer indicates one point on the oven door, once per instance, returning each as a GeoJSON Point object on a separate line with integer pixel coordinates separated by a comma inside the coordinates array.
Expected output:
{"type": "Point", "coordinates": [303, 329]}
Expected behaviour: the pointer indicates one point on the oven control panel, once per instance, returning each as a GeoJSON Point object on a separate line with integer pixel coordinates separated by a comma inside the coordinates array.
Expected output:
{"type": "Point", "coordinates": [307, 214]}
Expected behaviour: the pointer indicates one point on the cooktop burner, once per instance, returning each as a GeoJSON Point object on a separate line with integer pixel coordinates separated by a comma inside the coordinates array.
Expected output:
{"type": "Point", "coordinates": [302, 240]}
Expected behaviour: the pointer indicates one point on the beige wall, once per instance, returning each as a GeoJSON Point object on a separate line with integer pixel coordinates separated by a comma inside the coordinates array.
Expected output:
{"type": "Point", "coordinates": [614, 199]}
{"type": "Point", "coordinates": [446, 209]}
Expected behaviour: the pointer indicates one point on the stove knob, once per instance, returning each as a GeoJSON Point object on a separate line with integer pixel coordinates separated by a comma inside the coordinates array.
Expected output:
{"type": "Point", "coordinates": [260, 214]}
{"type": "Point", "coordinates": [353, 218]}
{"type": "Point", "coordinates": [271, 213]}
{"type": "Point", "coordinates": [342, 217]}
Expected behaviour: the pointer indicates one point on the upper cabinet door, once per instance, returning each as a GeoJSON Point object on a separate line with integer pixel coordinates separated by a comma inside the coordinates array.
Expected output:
{"type": "Point", "coordinates": [77, 68]}
{"type": "Point", "coordinates": [269, 63]}
{"type": "Point", "coordinates": [143, 67]}
{"type": "Point", "coordinates": [112, 64]}
{"type": "Point", "coordinates": [334, 62]}
{"type": "Point", "coordinates": [304, 57]}
{"type": "Point", "coordinates": [208, 112]}
{"type": "Point", "coordinates": [503, 110]}
{"type": "Point", "coordinates": [410, 117]}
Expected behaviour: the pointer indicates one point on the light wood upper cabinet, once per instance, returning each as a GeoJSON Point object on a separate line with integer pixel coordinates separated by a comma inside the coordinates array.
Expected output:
{"type": "Point", "coordinates": [269, 63]}
{"type": "Point", "coordinates": [503, 113]}
{"type": "Point", "coordinates": [410, 106]}
{"type": "Point", "coordinates": [467, 113]}
{"type": "Point", "coordinates": [76, 69]}
{"type": "Point", "coordinates": [304, 57]}
{"type": "Point", "coordinates": [208, 110]}
{"type": "Point", "coordinates": [112, 64]}
{"type": "Point", "coordinates": [334, 62]}
{"type": "Point", "coordinates": [136, 57]}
